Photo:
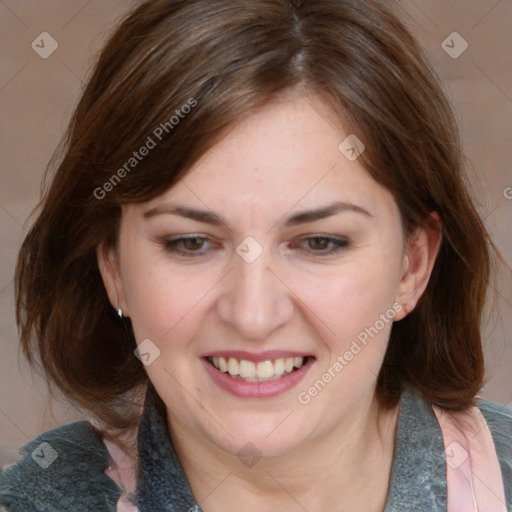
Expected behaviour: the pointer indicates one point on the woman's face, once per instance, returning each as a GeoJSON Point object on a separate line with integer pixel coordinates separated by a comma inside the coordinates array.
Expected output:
{"type": "Point", "coordinates": [275, 246]}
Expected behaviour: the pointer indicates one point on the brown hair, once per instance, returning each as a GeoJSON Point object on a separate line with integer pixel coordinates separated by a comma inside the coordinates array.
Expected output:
{"type": "Point", "coordinates": [224, 59]}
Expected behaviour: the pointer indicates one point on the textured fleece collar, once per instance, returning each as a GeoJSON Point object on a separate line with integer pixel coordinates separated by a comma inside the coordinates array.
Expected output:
{"type": "Point", "coordinates": [162, 486]}
{"type": "Point", "coordinates": [418, 476]}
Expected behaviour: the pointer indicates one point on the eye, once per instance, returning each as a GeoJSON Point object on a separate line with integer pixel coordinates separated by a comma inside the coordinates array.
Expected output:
{"type": "Point", "coordinates": [321, 245]}
{"type": "Point", "coordinates": [191, 245]}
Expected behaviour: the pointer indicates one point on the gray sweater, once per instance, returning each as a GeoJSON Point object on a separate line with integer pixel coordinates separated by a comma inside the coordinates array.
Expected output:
{"type": "Point", "coordinates": [75, 481]}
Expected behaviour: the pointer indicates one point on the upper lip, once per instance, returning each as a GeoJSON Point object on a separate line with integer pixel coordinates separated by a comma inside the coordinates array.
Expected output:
{"type": "Point", "coordinates": [256, 356]}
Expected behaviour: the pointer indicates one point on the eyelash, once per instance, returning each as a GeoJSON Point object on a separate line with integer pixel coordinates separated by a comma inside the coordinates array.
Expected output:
{"type": "Point", "coordinates": [337, 245]}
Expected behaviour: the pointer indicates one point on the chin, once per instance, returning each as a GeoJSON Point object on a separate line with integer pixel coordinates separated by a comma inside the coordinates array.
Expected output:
{"type": "Point", "coordinates": [261, 440]}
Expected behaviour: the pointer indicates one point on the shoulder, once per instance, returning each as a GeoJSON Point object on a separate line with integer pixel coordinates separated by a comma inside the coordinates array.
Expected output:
{"type": "Point", "coordinates": [60, 470]}
{"type": "Point", "coordinates": [499, 420]}
{"type": "Point", "coordinates": [496, 414]}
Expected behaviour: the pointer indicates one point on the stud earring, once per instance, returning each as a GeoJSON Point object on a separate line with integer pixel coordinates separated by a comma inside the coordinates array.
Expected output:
{"type": "Point", "coordinates": [120, 313]}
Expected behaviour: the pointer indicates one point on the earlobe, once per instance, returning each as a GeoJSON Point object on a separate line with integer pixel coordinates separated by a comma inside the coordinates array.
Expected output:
{"type": "Point", "coordinates": [108, 267]}
{"type": "Point", "coordinates": [419, 259]}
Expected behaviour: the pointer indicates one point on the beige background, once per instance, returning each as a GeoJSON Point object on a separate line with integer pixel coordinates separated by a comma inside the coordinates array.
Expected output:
{"type": "Point", "coordinates": [37, 96]}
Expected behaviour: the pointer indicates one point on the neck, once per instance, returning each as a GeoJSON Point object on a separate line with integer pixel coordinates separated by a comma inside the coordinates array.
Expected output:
{"type": "Point", "coordinates": [341, 466]}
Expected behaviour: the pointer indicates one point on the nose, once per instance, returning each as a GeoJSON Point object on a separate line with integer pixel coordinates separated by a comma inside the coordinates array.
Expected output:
{"type": "Point", "coordinates": [255, 302]}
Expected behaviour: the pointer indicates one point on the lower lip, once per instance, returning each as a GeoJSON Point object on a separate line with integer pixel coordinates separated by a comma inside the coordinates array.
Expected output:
{"type": "Point", "coordinates": [267, 389]}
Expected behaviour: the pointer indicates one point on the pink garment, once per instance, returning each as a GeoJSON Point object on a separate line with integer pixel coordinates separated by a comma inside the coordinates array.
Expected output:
{"type": "Point", "coordinates": [122, 471]}
{"type": "Point", "coordinates": [473, 474]}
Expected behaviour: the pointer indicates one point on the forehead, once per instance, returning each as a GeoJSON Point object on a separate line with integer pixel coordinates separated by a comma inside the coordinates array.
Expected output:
{"type": "Point", "coordinates": [285, 153]}
{"type": "Point", "coordinates": [285, 134]}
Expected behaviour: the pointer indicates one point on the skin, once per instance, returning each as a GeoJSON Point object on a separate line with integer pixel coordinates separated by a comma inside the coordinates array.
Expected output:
{"type": "Point", "coordinates": [282, 159]}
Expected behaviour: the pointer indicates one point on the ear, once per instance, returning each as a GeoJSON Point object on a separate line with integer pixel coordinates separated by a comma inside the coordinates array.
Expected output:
{"type": "Point", "coordinates": [109, 269]}
{"type": "Point", "coordinates": [420, 254]}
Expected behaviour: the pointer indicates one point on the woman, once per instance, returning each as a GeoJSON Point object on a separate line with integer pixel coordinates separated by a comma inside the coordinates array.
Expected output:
{"type": "Point", "coordinates": [258, 266]}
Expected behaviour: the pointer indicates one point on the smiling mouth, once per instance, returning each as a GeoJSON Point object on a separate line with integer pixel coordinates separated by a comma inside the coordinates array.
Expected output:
{"type": "Point", "coordinates": [262, 371]}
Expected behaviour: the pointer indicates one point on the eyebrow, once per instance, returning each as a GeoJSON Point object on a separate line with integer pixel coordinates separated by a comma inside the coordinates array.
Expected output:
{"type": "Point", "coordinates": [302, 217]}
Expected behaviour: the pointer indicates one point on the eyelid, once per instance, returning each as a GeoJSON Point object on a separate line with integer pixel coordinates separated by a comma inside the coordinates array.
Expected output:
{"type": "Point", "coordinates": [172, 244]}
{"type": "Point", "coordinates": [340, 244]}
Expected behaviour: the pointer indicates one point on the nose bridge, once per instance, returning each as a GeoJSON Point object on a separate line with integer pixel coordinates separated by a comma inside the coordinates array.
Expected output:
{"type": "Point", "coordinates": [255, 302]}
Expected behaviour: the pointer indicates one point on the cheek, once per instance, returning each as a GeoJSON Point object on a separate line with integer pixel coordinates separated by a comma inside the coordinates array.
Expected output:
{"type": "Point", "coordinates": [353, 315]}
{"type": "Point", "coordinates": [167, 308]}
{"type": "Point", "coordinates": [162, 302]}
{"type": "Point", "coordinates": [350, 300]}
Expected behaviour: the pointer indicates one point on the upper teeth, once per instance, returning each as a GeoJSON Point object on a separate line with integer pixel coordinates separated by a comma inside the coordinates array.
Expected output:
{"type": "Point", "coordinates": [261, 370]}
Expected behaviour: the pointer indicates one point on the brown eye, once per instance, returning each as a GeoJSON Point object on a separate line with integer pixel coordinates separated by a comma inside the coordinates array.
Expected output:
{"type": "Point", "coordinates": [318, 243]}
{"type": "Point", "coordinates": [193, 244]}
{"type": "Point", "coordinates": [189, 245]}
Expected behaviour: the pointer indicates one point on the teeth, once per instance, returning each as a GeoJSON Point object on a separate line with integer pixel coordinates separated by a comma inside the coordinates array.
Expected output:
{"type": "Point", "coordinates": [233, 366]}
{"type": "Point", "coordinates": [247, 369]}
{"type": "Point", "coordinates": [279, 366]}
{"type": "Point", "coordinates": [262, 371]}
